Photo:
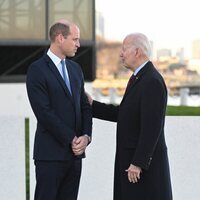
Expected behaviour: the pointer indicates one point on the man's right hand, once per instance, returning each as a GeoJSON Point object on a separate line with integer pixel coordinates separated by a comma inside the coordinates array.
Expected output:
{"type": "Point", "coordinates": [90, 100]}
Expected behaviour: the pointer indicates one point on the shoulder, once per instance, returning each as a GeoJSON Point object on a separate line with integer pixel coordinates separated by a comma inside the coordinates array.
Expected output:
{"type": "Point", "coordinates": [152, 74]}
{"type": "Point", "coordinates": [39, 62]}
{"type": "Point", "coordinates": [152, 78]}
{"type": "Point", "coordinates": [37, 68]}
{"type": "Point", "coordinates": [74, 64]}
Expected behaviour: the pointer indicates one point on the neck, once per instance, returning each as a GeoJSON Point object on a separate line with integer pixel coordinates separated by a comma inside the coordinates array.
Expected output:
{"type": "Point", "coordinates": [56, 51]}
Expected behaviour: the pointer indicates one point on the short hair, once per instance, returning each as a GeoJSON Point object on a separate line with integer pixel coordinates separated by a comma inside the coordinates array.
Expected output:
{"type": "Point", "coordinates": [141, 41]}
{"type": "Point", "coordinates": [58, 28]}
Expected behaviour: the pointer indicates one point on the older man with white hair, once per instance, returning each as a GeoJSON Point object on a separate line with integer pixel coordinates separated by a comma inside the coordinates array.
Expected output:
{"type": "Point", "coordinates": [141, 164]}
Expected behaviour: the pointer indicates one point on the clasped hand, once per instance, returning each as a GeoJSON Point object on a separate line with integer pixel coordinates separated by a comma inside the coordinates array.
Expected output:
{"type": "Point", "coordinates": [79, 145]}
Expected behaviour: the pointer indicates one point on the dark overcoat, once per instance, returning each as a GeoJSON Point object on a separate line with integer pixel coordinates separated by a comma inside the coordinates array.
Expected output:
{"type": "Point", "coordinates": [140, 137]}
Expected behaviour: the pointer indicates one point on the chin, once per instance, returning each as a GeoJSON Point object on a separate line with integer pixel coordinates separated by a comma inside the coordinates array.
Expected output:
{"type": "Point", "coordinates": [71, 55]}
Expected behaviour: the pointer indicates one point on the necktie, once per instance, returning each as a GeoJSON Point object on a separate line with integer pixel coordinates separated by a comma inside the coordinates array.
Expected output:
{"type": "Point", "coordinates": [130, 82]}
{"type": "Point", "coordinates": [65, 77]}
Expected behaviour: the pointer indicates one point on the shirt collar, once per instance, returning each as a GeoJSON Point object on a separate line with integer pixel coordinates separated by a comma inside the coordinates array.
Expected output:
{"type": "Point", "coordinates": [140, 67]}
{"type": "Point", "coordinates": [56, 60]}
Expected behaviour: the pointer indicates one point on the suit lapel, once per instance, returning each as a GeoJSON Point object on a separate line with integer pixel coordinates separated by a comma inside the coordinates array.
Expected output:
{"type": "Point", "coordinates": [57, 75]}
{"type": "Point", "coordinates": [138, 78]}
{"type": "Point", "coordinates": [75, 88]}
{"type": "Point", "coordinates": [130, 88]}
{"type": "Point", "coordinates": [73, 80]}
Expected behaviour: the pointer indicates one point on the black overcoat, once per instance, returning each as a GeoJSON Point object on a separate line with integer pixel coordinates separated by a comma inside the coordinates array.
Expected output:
{"type": "Point", "coordinates": [140, 137]}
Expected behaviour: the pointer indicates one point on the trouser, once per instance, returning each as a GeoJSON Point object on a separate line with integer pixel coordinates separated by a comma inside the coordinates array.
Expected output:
{"type": "Point", "coordinates": [57, 180]}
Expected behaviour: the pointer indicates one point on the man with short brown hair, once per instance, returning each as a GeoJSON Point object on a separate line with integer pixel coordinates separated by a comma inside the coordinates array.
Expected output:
{"type": "Point", "coordinates": [55, 87]}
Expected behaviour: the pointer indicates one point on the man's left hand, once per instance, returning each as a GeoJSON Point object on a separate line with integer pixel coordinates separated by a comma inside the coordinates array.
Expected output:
{"type": "Point", "coordinates": [134, 173]}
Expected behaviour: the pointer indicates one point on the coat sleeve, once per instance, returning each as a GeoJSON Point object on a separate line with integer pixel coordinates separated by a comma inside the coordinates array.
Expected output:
{"type": "Point", "coordinates": [153, 106]}
{"type": "Point", "coordinates": [104, 111]}
{"type": "Point", "coordinates": [86, 109]}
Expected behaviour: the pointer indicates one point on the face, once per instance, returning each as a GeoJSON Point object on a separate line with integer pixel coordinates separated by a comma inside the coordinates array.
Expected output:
{"type": "Point", "coordinates": [70, 44]}
{"type": "Point", "coordinates": [128, 54]}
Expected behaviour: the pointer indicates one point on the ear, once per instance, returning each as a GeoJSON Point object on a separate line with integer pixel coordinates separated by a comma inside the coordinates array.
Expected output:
{"type": "Point", "coordinates": [138, 52]}
{"type": "Point", "coordinates": [60, 38]}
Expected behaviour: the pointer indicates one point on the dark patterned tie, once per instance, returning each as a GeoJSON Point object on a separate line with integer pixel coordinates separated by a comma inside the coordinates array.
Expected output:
{"type": "Point", "coordinates": [130, 82]}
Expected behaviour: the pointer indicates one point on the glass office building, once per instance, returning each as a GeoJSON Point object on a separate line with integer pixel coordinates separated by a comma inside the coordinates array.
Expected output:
{"type": "Point", "coordinates": [24, 26]}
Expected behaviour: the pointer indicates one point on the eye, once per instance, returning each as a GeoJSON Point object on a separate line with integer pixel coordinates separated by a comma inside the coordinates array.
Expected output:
{"type": "Point", "coordinates": [76, 39]}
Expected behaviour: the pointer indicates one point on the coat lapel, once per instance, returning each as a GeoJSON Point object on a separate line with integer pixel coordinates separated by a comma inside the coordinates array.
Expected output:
{"type": "Point", "coordinates": [130, 88]}
{"type": "Point", "coordinates": [73, 81]}
{"type": "Point", "coordinates": [138, 78]}
{"type": "Point", "coordinates": [58, 76]}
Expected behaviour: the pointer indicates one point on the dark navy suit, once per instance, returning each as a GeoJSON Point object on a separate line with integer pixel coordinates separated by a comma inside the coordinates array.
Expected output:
{"type": "Point", "coordinates": [60, 117]}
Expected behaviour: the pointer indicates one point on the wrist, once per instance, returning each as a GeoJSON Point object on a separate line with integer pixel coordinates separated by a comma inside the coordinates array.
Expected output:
{"type": "Point", "coordinates": [88, 137]}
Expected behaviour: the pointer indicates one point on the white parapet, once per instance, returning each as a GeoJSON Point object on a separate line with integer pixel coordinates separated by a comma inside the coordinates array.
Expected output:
{"type": "Point", "coordinates": [184, 95]}
{"type": "Point", "coordinates": [12, 158]}
{"type": "Point", "coordinates": [182, 137]}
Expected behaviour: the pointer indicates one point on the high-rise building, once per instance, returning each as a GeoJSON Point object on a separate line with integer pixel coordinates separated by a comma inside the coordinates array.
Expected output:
{"type": "Point", "coordinates": [180, 54]}
{"type": "Point", "coordinates": [196, 49]}
{"type": "Point", "coordinates": [99, 25]}
{"type": "Point", "coordinates": [163, 53]}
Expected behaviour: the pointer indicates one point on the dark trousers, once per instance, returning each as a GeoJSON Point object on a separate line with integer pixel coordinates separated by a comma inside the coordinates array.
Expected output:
{"type": "Point", "coordinates": [57, 180]}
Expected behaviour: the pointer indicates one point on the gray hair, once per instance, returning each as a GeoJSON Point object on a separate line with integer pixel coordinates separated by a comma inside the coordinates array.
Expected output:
{"type": "Point", "coordinates": [141, 41]}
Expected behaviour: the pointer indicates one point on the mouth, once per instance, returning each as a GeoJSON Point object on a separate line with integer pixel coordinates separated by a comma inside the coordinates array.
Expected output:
{"type": "Point", "coordinates": [122, 60]}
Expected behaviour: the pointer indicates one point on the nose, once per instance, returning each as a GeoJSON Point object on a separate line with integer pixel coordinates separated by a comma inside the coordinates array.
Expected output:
{"type": "Point", "coordinates": [121, 54]}
{"type": "Point", "coordinates": [78, 44]}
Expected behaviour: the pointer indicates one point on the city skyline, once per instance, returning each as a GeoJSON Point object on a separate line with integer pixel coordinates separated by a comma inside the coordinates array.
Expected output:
{"type": "Point", "coordinates": [169, 24]}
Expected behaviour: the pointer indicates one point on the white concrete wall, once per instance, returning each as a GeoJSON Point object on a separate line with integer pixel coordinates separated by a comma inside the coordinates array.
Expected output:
{"type": "Point", "coordinates": [182, 136]}
{"type": "Point", "coordinates": [12, 158]}
{"type": "Point", "coordinates": [183, 141]}
{"type": "Point", "coordinates": [14, 99]}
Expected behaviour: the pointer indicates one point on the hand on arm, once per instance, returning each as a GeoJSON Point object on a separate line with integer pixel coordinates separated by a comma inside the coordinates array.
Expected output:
{"type": "Point", "coordinates": [134, 173]}
{"type": "Point", "coordinates": [90, 100]}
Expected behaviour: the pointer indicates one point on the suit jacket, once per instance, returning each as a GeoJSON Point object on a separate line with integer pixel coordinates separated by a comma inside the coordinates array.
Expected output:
{"type": "Point", "coordinates": [60, 115]}
{"type": "Point", "coordinates": [140, 137]}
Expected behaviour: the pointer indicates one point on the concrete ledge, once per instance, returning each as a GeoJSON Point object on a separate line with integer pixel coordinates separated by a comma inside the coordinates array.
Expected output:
{"type": "Point", "coordinates": [182, 137]}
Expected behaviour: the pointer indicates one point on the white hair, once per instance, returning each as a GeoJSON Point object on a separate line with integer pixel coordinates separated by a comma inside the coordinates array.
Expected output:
{"type": "Point", "coordinates": [141, 41]}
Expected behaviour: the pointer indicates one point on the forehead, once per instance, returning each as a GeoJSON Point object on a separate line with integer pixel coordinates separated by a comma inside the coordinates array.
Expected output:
{"type": "Point", "coordinates": [74, 30]}
{"type": "Point", "coordinates": [128, 41]}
